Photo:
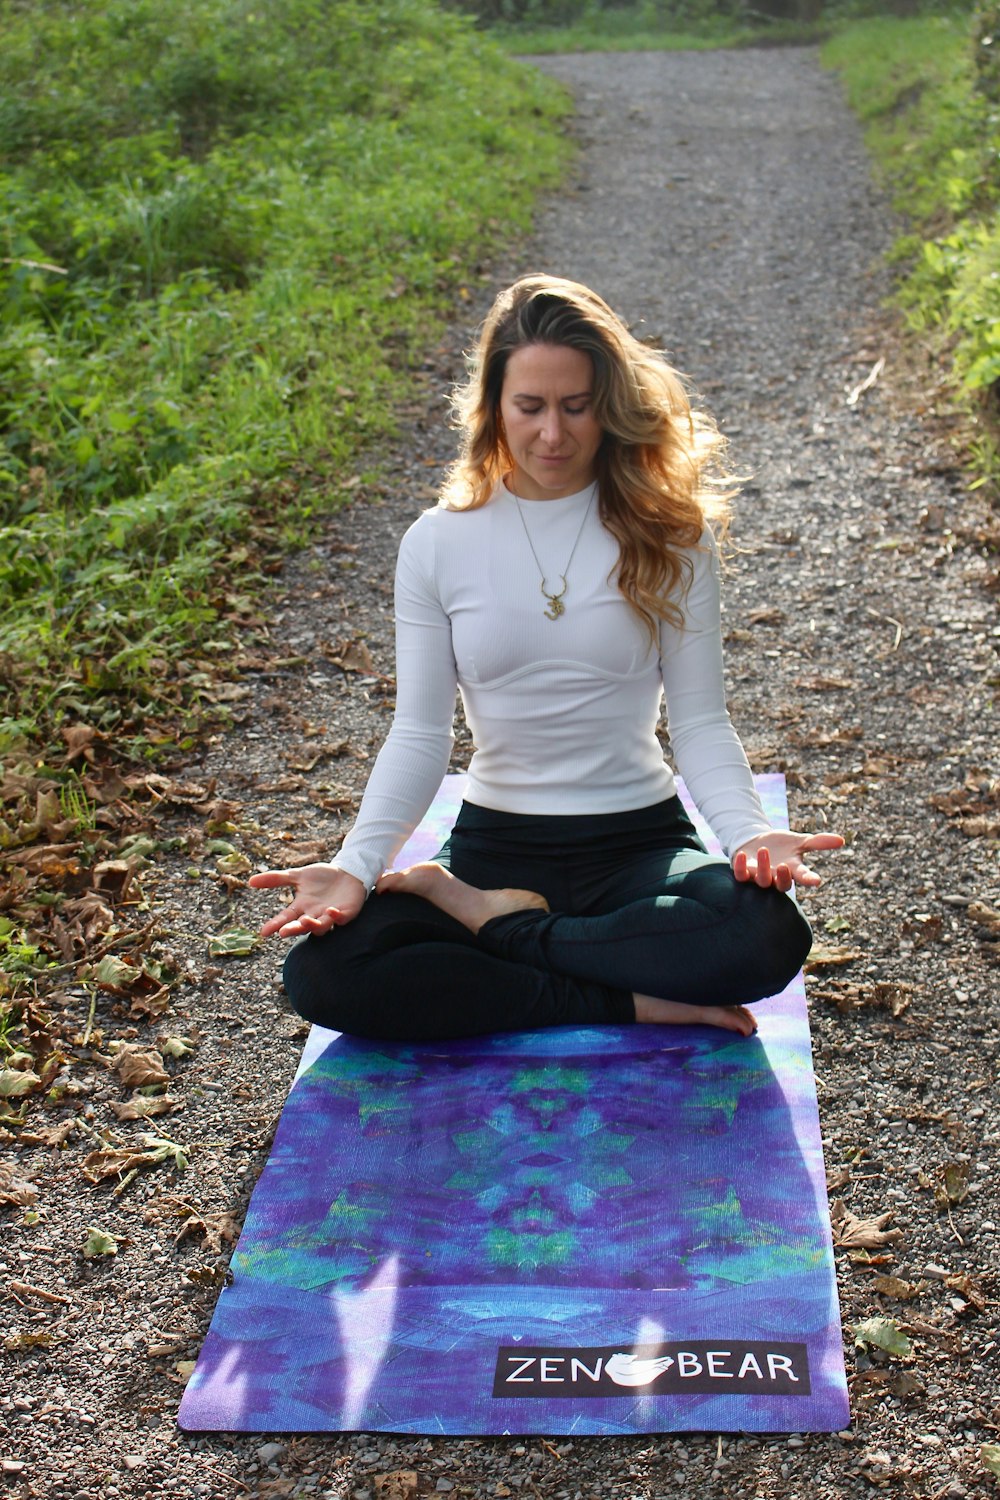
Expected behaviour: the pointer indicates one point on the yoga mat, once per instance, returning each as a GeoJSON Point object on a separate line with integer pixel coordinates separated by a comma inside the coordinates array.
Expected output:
{"type": "Point", "coordinates": [569, 1231]}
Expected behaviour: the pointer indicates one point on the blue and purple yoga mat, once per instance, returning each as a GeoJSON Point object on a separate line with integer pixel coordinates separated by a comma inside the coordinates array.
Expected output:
{"type": "Point", "coordinates": [591, 1231]}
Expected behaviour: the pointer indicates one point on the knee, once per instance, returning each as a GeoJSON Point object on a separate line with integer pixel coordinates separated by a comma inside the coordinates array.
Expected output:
{"type": "Point", "coordinates": [312, 979]}
{"type": "Point", "coordinates": [784, 939]}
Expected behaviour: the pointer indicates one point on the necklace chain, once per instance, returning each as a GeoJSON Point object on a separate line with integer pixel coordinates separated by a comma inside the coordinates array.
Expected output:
{"type": "Point", "coordinates": [556, 605]}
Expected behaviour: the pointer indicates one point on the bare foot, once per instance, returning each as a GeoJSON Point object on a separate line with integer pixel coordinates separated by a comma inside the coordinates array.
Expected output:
{"type": "Point", "coordinates": [466, 903]}
{"type": "Point", "coordinates": [674, 1013]}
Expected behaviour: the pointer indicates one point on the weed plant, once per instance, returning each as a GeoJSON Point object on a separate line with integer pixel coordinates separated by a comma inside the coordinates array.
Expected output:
{"type": "Point", "coordinates": [227, 232]}
{"type": "Point", "coordinates": [922, 88]}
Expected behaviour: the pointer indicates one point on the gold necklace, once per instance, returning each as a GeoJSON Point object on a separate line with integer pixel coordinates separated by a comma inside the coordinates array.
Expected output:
{"type": "Point", "coordinates": [556, 605]}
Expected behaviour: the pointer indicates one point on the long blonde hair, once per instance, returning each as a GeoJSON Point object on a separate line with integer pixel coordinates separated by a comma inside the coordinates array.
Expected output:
{"type": "Point", "coordinates": [658, 472]}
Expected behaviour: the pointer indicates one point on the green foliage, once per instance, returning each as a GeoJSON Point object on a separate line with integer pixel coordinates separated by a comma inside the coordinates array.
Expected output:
{"type": "Point", "coordinates": [636, 25]}
{"type": "Point", "coordinates": [228, 229]}
{"type": "Point", "coordinates": [926, 90]}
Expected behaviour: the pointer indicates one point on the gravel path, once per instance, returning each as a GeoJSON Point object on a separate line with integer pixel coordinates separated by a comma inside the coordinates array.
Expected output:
{"type": "Point", "coordinates": [725, 199]}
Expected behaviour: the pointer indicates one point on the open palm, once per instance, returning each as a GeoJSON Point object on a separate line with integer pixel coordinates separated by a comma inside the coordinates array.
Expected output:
{"type": "Point", "coordinates": [775, 858]}
{"type": "Point", "coordinates": [324, 897]}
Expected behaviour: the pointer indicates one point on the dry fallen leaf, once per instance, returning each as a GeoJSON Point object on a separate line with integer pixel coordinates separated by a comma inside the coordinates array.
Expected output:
{"type": "Point", "coordinates": [985, 916]}
{"type": "Point", "coordinates": [14, 1191]}
{"type": "Point", "coordinates": [824, 955]}
{"type": "Point", "coordinates": [401, 1484]}
{"type": "Point", "coordinates": [969, 1289]}
{"type": "Point", "coordinates": [138, 1068]}
{"type": "Point", "coordinates": [953, 1187]}
{"type": "Point", "coordinates": [895, 1287]}
{"type": "Point", "coordinates": [850, 1232]}
{"type": "Point", "coordinates": [50, 1135]}
{"type": "Point", "coordinates": [142, 1108]}
{"type": "Point", "coordinates": [354, 656]}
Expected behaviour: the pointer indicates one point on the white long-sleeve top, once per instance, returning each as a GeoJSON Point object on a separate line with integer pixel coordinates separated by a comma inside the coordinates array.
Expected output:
{"type": "Point", "coordinates": [562, 712]}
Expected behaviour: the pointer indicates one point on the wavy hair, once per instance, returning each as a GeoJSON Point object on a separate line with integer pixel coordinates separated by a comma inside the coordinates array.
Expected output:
{"type": "Point", "coordinates": [658, 465]}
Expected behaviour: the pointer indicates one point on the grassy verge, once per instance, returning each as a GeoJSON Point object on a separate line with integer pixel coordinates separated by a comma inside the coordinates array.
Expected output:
{"type": "Point", "coordinates": [935, 135]}
{"type": "Point", "coordinates": [228, 232]}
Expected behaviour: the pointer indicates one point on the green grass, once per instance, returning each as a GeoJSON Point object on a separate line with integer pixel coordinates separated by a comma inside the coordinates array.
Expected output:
{"type": "Point", "coordinates": [230, 232]}
{"type": "Point", "coordinates": [934, 132]}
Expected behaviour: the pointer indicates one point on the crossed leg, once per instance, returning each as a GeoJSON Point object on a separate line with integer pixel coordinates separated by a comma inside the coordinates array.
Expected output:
{"type": "Point", "coordinates": [474, 908]}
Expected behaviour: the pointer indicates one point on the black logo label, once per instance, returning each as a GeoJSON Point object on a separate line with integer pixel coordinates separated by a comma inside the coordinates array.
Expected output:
{"type": "Point", "coordinates": [698, 1366]}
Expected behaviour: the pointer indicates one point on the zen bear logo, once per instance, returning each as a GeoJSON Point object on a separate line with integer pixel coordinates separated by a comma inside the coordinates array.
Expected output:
{"type": "Point", "coordinates": [733, 1367]}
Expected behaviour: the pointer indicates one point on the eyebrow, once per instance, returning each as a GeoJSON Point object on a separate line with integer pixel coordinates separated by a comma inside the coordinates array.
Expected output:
{"type": "Point", "coordinates": [527, 396]}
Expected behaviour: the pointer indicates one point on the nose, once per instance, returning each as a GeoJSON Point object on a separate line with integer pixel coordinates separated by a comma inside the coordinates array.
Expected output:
{"type": "Point", "coordinates": [552, 427]}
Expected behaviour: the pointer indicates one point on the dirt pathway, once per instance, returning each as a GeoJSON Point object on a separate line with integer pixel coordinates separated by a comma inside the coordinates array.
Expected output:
{"type": "Point", "coordinates": [725, 200]}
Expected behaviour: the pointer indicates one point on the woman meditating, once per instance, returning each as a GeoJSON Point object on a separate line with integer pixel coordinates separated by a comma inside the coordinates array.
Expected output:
{"type": "Point", "coordinates": [564, 583]}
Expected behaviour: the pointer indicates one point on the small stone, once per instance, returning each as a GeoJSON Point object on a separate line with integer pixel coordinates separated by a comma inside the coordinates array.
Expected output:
{"type": "Point", "coordinates": [268, 1452]}
{"type": "Point", "coordinates": [13, 1466]}
{"type": "Point", "coordinates": [443, 1486]}
{"type": "Point", "coordinates": [133, 1460]}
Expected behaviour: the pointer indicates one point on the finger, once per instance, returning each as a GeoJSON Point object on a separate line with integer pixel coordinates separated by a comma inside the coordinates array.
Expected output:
{"type": "Point", "coordinates": [274, 924]}
{"type": "Point", "coordinates": [741, 865]}
{"type": "Point", "coordinates": [269, 880]}
{"type": "Point", "coordinates": [763, 876]}
{"type": "Point", "coordinates": [783, 878]}
{"type": "Point", "coordinates": [305, 926]}
{"type": "Point", "coordinates": [316, 925]}
{"type": "Point", "coordinates": [823, 841]}
{"type": "Point", "coordinates": [805, 876]}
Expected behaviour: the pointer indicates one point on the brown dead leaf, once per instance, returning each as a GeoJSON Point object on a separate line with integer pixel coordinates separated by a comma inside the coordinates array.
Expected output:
{"type": "Point", "coordinates": [138, 1067]}
{"type": "Point", "coordinates": [850, 994]}
{"type": "Point", "coordinates": [215, 1230]}
{"type": "Point", "coordinates": [207, 1276]}
{"type": "Point", "coordinates": [80, 740]}
{"type": "Point", "coordinates": [145, 1108]}
{"type": "Point", "coordinates": [151, 1006]}
{"type": "Point", "coordinates": [308, 759]}
{"type": "Point", "coordinates": [969, 1289]}
{"type": "Point", "coordinates": [953, 1187]}
{"type": "Point", "coordinates": [114, 876]}
{"type": "Point", "coordinates": [850, 1232]}
{"type": "Point", "coordinates": [90, 913]}
{"type": "Point", "coordinates": [975, 805]}
{"type": "Point", "coordinates": [767, 616]}
{"type": "Point", "coordinates": [985, 916]}
{"type": "Point", "coordinates": [51, 1135]}
{"type": "Point", "coordinates": [56, 862]}
{"type": "Point", "coordinates": [165, 789]}
{"type": "Point", "coordinates": [97, 1166]}
{"type": "Point", "coordinates": [820, 684]}
{"type": "Point", "coordinates": [305, 853]}
{"type": "Point", "coordinates": [894, 1286]}
{"type": "Point", "coordinates": [354, 656]}
{"type": "Point", "coordinates": [15, 1192]}
{"type": "Point", "coordinates": [837, 1177]}
{"type": "Point", "coordinates": [827, 955]}
{"type": "Point", "coordinates": [401, 1484]}
{"type": "Point", "coordinates": [283, 784]}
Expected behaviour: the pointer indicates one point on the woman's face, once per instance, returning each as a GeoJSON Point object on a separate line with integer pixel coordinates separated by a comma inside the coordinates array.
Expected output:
{"type": "Point", "coordinates": [547, 409]}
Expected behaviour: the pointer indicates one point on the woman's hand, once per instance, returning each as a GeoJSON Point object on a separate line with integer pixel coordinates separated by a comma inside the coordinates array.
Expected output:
{"type": "Point", "coordinates": [775, 858]}
{"type": "Point", "coordinates": [325, 897]}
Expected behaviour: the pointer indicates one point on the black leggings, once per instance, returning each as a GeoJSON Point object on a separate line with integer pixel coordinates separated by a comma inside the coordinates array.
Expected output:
{"type": "Point", "coordinates": [636, 905]}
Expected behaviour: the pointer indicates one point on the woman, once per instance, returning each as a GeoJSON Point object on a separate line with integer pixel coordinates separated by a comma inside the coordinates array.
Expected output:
{"type": "Point", "coordinates": [566, 580]}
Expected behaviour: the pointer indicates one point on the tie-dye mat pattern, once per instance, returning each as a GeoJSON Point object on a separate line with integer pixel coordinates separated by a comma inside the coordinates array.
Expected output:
{"type": "Point", "coordinates": [568, 1231]}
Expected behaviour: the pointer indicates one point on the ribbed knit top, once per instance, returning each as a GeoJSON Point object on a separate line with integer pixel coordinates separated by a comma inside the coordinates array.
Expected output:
{"type": "Point", "coordinates": [562, 712]}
